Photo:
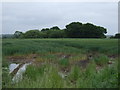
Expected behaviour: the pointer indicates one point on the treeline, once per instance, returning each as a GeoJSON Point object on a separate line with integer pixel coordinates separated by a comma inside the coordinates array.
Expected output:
{"type": "Point", "coordinates": [117, 35]}
{"type": "Point", "coordinates": [72, 30]}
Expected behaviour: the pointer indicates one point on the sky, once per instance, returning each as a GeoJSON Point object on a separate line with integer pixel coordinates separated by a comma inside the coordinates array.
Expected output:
{"type": "Point", "coordinates": [24, 16]}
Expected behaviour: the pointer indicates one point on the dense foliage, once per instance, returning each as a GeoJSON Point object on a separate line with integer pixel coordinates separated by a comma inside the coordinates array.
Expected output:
{"type": "Point", "coordinates": [117, 35]}
{"type": "Point", "coordinates": [72, 30]}
{"type": "Point", "coordinates": [79, 30]}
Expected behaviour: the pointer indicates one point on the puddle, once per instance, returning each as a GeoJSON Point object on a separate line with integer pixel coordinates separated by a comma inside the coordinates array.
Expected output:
{"type": "Point", "coordinates": [17, 70]}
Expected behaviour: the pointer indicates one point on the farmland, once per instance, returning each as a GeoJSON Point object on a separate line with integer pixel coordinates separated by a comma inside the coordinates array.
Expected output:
{"type": "Point", "coordinates": [62, 63]}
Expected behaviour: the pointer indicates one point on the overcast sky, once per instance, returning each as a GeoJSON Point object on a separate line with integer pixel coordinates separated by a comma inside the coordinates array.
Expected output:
{"type": "Point", "coordinates": [25, 16]}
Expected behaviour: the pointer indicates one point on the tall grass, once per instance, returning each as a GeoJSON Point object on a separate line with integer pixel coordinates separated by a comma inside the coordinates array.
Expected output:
{"type": "Point", "coordinates": [101, 60]}
{"type": "Point", "coordinates": [77, 78]}
{"type": "Point", "coordinates": [22, 46]}
{"type": "Point", "coordinates": [64, 62]}
{"type": "Point", "coordinates": [47, 75]}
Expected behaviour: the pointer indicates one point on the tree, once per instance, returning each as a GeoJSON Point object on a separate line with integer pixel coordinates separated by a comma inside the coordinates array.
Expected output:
{"type": "Point", "coordinates": [117, 35]}
{"type": "Point", "coordinates": [88, 30]}
{"type": "Point", "coordinates": [55, 28]}
{"type": "Point", "coordinates": [45, 29]}
{"type": "Point", "coordinates": [18, 34]}
{"type": "Point", "coordinates": [43, 35]}
{"type": "Point", "coordinates": [32, 34]}
{"type": "Point", "coordinates": [92, 31]}
{"type": "Point", "coordinates": [73, 29]}
{"type": "Point", "coordinates": [56, 33]}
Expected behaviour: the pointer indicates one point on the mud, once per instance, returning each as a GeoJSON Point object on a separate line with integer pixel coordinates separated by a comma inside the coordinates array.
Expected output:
{"type": "Point", "coordinates": [84, 63]}
{"type": "Point", "coordinates": [62, 56]}
{"type": "Point", "coordinates": [112, 56]}
{"type": "Point", "coordinates": [22, 59]}
{"type": "Point", "coordinates": [31, 58]}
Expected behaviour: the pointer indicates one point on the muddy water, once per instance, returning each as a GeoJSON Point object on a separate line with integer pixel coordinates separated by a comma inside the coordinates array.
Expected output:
{"type": "Point", "coordinates": [17, 71]}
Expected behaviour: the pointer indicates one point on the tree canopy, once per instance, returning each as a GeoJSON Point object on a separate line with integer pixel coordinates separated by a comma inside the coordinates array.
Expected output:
{"type": "Point", "coordinates": [88, 30]}
{"type": "Point", "coordinates": [18, 34]}
{"type": "Point", "coordinates": [117, 35]}
{"type": "Point", "coordinates": [55, 28]}
{"type": "Point", "coordinates": [72, 30]}
{"type": "Point", "coordinates": [32, 34]}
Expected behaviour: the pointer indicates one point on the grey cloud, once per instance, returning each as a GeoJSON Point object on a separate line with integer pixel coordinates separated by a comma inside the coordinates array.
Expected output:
{"type": "Point", "coordinates": [25, 16]}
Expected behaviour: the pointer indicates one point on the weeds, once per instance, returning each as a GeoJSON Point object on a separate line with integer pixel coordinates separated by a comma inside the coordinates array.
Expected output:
{"type": "Point", "coordinates": [74, 74]}
{"type": "Point", "coordinates": [64, 62]}
{"type": "Point", "coordinates": [33, 71]}
{"type": "Point", "coordinates": [47, 51]}
{"type": "Point", "coordinates": [101, 60]}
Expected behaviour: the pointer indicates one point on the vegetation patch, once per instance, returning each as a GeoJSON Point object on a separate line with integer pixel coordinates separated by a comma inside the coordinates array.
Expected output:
{"type": "Point", "coordinates": [62, 63]}
{"type": "Point", "coordinates": [101, 60]}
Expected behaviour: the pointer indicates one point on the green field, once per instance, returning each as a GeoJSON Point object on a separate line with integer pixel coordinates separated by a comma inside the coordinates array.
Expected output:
{"type": "Point", "coordinates": [62, 63]}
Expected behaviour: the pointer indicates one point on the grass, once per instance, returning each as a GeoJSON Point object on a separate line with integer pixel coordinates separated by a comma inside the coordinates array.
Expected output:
{"type": "Point", "coordinates": [56, 56]}
{"type": "Point", "coordinates": [38, 71]}
{"type": "Point", "coordinates": [64, 62]}
{"type": "Point", "coordinates": [101, 60]}
{"type": "Point", "coordinates": [75, 73]}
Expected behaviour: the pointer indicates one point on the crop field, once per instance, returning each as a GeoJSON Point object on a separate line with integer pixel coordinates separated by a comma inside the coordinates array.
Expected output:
{"type": "Point", "coordinates": [61, 63]}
